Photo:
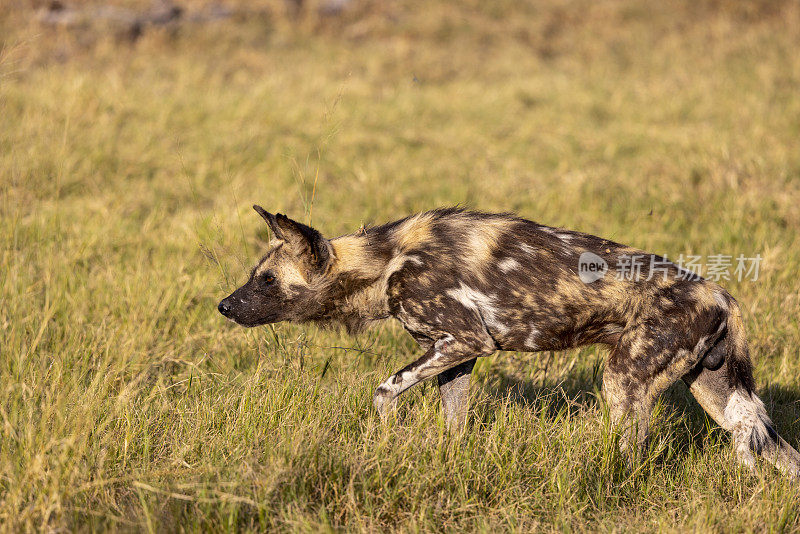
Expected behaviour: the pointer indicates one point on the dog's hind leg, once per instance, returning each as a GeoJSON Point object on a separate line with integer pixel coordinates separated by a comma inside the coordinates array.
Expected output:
{"type": "Point", "coordinates": [723, 385]}
{"type": "Point", "coordinates": [648, 358]}
{"type": "Point", "coordinates": [454, 389]}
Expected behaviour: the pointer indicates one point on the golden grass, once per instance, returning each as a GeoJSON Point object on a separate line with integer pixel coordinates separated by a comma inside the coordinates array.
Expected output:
{"type": "Point", "coordinates": [127, 171]}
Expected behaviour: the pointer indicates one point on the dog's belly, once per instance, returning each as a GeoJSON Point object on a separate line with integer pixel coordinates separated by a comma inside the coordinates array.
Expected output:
{"type": "Point", "coordinates": [529, 332]}
{"type": "Point", "coordinates": [537, 340]}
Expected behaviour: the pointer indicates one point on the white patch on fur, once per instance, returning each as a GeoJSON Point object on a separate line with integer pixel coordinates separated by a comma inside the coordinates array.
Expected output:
{"type": "Point", "coordinates": [721, 301]}
{"type": "Point", "coordinates": [530, 341]}
{"type": "Point", "coordinates": [746, 418]}
{"type": "Point", "coordinates": [442, 342]}
{"type": "Point", "coordinates": [396, 263]}
{"type": "Point", "coordinates": [701, 345]}
{"type": "Point", "coordinates": [612, 329]}
{"type": "Point", "coordinates": [741, 411]}
{"type": "Point", "coordinates": [402, 380]}
{"type": "Point", "coordinates": [373, 298]}
{"type": "Point", "coordinates": [481, 303]}
{"type": "Point", "coordinates": [566, 238]}
{"type": "Point", "coordinates": [527, 249]}
{"type": "Point", "coordinates": [508, 264]}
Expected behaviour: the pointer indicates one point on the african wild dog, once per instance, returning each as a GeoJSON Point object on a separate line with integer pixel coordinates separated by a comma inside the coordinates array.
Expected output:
{"type": "Point", "coordinates": [466, 284]}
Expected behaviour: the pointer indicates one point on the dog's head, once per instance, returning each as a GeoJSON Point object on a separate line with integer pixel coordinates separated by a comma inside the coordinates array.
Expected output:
{"type": "Point", "coordinates": [286, 283]}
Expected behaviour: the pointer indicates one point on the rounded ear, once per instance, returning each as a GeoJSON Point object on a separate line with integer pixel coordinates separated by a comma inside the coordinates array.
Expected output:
{"type": "Point", "coordinates": [305, 242]}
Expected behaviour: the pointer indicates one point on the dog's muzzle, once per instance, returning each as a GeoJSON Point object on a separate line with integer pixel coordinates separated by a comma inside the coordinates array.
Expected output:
{"type": "Point", "coordinates": [224, 308]}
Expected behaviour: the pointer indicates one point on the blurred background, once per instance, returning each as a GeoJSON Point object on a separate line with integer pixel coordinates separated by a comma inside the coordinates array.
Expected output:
{"type": "Point", "coordinates": [562, 110]}
{"type": "Point", "coordinates": [135, 136]}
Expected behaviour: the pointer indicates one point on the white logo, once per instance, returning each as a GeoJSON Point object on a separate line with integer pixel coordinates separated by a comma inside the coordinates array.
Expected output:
{"type": "Point", "coordinates": [591, 267]}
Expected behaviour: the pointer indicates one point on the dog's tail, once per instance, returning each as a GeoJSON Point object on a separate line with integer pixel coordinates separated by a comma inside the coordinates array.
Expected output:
{"type": "Point", "coordinates": [740, 368]}
{"type": "Point", "coordinates": [744, 413]}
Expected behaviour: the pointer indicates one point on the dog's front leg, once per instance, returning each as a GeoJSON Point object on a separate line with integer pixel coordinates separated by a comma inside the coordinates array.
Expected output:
{"type": "Point", "coordinates": [445, 354]}
{"type": "Point", "coordinates": [454, 389]}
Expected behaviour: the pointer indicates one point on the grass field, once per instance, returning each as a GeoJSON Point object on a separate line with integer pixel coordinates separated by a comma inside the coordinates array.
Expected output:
{"type": "Point", "coordinates": [127, 171]}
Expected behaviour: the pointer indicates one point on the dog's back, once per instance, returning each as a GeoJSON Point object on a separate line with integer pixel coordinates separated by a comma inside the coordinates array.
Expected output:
{"type": "Point", "coordinates": [524, 278]}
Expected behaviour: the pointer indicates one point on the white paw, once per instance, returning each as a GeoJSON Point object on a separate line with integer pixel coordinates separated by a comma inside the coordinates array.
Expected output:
{"type": "Point", "coordinates": [384, 401]}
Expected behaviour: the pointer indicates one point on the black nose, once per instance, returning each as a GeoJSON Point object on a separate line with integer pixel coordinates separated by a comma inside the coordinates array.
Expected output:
{"type": "Point", "coordinates": [224, 308]}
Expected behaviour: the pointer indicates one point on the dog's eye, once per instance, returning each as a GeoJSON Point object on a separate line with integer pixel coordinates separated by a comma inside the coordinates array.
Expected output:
{"type": "Point", "coordinates": [267, 278]}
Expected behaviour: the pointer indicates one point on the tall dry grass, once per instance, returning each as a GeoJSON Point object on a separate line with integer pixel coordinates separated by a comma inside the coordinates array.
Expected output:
{"type": "Point", "coordinates": [126, 174]}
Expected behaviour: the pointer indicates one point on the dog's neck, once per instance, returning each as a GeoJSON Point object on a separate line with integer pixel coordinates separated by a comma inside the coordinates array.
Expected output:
{"type": "Point", "coordinates": [358, 278]}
